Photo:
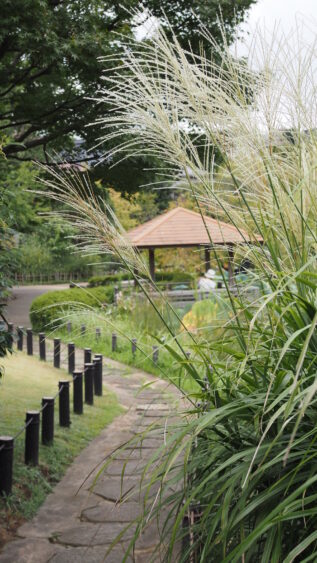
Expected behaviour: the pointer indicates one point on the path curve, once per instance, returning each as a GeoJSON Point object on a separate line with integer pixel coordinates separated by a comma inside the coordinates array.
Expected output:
{"type": "Point", "coordinates": [17, 310]}
{"type": "Point", "coordinates": [78, 521]}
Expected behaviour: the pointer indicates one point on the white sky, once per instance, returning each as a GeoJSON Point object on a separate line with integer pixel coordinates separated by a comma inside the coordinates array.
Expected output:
{"type": "Point", "coordinates": [281, 13]}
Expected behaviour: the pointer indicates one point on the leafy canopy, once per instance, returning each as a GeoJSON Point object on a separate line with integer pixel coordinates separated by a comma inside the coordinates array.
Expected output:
{"type": "Point", "coordinates": [49, 66]}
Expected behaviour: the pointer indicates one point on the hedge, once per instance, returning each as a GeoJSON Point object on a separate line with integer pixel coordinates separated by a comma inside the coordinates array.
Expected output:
{"type": "Point", "coordinates": [169, 277]}
{"type": "Point", "coordinates": [108, 279]}
{"type": "Point", "coordinates": [47, 309]}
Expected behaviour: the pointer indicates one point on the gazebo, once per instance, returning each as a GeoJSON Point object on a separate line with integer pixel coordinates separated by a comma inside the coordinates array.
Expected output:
{"type": "Point", "coordinates": [182, 227]}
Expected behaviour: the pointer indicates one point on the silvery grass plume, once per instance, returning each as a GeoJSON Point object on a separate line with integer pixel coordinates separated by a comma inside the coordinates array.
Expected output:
{"type": "Point", "coordinates": [98, 231]}
{"type": "Point", "coordinates": [259, 114]}
{"type": "Point", "coordinates": [246, 131]}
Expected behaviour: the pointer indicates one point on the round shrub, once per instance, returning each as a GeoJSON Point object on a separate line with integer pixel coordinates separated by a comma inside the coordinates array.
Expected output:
{"type": "Point", "coordinates": [47, 309]}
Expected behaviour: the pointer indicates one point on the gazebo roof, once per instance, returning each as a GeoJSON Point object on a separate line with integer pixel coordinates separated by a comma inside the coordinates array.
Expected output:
{"type": "Point", "coordinates": [183, 227]}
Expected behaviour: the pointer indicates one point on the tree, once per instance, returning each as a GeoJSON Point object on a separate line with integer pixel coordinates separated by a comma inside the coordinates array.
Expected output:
{"type": "Point", "coordinates": [184, 15]}
{"type": "Point", "coordinates": [49, 66]}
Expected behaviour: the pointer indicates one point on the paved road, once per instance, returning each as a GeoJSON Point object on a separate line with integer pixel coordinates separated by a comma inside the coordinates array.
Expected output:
{"type": "Point", "coordinates": [17, 311]}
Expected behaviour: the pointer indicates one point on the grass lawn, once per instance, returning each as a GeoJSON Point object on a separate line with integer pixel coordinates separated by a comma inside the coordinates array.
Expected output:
{"type": "Point", "coordinates": [25, 382]}
{"type": "Point", "coordinates": [166, 367]}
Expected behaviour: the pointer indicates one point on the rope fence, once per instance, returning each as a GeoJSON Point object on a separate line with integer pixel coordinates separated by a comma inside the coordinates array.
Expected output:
{"type": "Point", "coordinates": [86, 384]}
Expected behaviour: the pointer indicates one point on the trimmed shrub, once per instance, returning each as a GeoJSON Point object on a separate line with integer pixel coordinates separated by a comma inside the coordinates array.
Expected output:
{"type": "Point", "coordinates": [174, 277]}
{"type": "Point", "coordinates": [169, 277]}
{"type": "Point", "coordinates": [108, 279]}
{"type": "Point", "coordinates": [48, 309]}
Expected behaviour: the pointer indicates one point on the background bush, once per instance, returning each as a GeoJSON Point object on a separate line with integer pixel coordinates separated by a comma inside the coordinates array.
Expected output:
{"type": "Point", "coordinates": [172, 277]}
{"type": "Point", "coordinates": [48, 310]}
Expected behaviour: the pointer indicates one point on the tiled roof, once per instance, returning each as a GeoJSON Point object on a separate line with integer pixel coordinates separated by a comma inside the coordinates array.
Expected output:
{"type": "Point", "coordinates": [183, 227]}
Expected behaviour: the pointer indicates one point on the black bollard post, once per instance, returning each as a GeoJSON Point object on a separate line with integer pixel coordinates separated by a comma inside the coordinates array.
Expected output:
{"type": "Point", "coordinates": [114, 342]}
{"type": "Point", "coordinates": [57, 352]}
{"type": "Point", "coordinates": [87, 356]}
{"type": "Point", "coordinates": [6, 464]}
{"type": "Point", "coordinates": [10, 328]}
{"type": "Point", "coordinates": [64, 416]}
{"type": "Point", "coordinates": [69, 327]}
{"type": "Point", "coordinates": [47, 420]}
{"type": "Point", "coordinates": [32, 438]}
{"type": "Point", "coordinates": [155, 354]}
{"type": "Point", "coordinates": [98, 375]}
{"type": "Point", "coordinates": [134, 346]}
{"type": "Point", "coordinates": [83, 330]}
{"type": "Point", "coordinates": [29, 341]}
{"type": "Point", "coordinates": [71, 357]}
{"type": "Point", "coordinates": [42, 346]}
{"type": "Point", "coordinates": [89, 383]}
{"type": "Point", "coordinates": [78, 392]}
{"type": "Point", "coordinates": [98, 333]}
{"type": "Point", "coordinates": [20, 337]}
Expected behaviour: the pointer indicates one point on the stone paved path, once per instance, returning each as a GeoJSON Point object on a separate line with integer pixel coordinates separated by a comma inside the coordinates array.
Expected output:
{"type": "Point", "coordinates": [80, 518]}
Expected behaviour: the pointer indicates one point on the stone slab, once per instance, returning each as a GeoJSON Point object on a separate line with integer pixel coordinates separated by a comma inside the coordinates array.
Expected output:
{"type": "Point", "coordinates": [28, 551]}
{"type": "Point", "coordinates": [115, 489]}
{"type": "Point", "coordinates": [111, 512]}
{"type": "Point", "coordinates": [87, 534]}
{"type": "Point", "coordinates": [90, 555]}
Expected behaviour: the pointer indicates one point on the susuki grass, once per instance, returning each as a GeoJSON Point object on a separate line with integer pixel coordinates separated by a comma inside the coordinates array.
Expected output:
{"type": "Point", "coordinates": [248, 452]}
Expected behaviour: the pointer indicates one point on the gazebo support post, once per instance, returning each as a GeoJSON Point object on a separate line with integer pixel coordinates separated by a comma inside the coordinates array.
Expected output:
{"type": "Point", "coordinates": [135, 271]}
{"type": "Point", "coordinates": [230, 265]}
{"type": "Point", "coordinates": [207, 259]}
{"type": "Point", "coordinates": [152, 263]}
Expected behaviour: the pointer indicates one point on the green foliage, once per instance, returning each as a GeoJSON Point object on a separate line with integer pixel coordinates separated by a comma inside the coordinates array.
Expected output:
{"type": "Point", "coordinates": [50, 64]}
{"type": "Point", "coordinates": [184, 16]}
{"type": "Point", "coordinates": [241, 469]}
{"type": "Point", "coordinates": [133, 320]}
{"type": "Point", "coordinates": [172, 277]}
{"type": "Point", "coordinates": [109, 279]}
{"type": "Point", "coordinates": [51, 309]}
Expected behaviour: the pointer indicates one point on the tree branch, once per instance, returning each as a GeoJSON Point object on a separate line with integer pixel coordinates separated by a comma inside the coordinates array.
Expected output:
{"type": "Point", "coordinates": [60, 163]}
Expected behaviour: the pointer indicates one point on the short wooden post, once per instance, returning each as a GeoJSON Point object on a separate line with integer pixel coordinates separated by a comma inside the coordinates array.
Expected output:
{"type": "Point", "coordinates": [89, 383]}
{"type": "Point", "coordinates": [98, 375]}
{"type": "Point", "coordinates": [20, 338]}
{"type": "Point", "coordinates": [47, 420]}
{"type": "Point", "coordinates": [69, 327]}
{"type": "Point", "coordinates": [155, 354]}
{"type": "Point", "coordinates": [32, 438]}
{"type": "Point", "coordinates": [114, 342]}
{"type": "Point", "coordinates": [10, 328]}
{"type": "Point", "coordinates": [71, 357]}
{"type": "Point", "coordinates": [29, 341]}
{"type": "Point", "coordinates": [64, 415]}
{"type": "Point", "coordinates": [134, 346]}
{"type": "Point", "coordinates": [57, 352]}
{"type": "Point", "coordinates": [87, 355]}
{"type": "Point", "coordinates": [42, 346]}
{"type": "Point", "coordinates": [83, 330]}
{"type": "Point", "coordinates": [6, 464]}
{"type": "Point", "coordinates": [78, 392]}
{"type": "Point", "coordinates": [98, 333]}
